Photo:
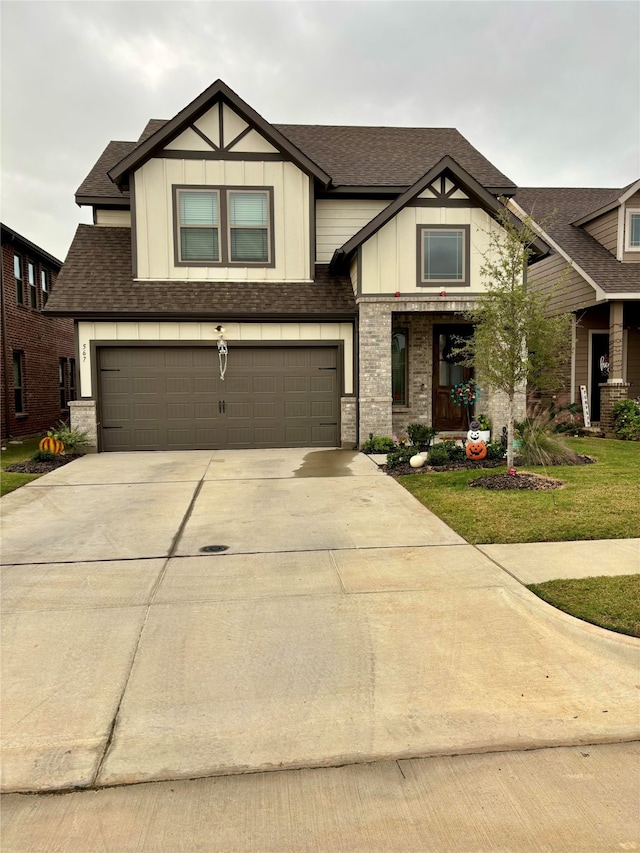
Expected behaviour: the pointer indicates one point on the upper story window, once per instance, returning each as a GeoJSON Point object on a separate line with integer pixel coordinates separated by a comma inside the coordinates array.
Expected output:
{"type": "Point", "coordinates": [17, 273]}
{"type": "Point", "coordinates": [44, 284]}
{"type": "Point", "coordinates": [33, 290]}
{"type": "Point", "coordinates": [443, 255]}
{"type": "Point", "coordinates": [224, 226]}
{"type": "Point", "coordinates": [632, 242]}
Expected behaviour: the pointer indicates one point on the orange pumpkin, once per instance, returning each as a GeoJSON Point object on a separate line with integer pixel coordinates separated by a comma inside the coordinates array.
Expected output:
{"type": "Point", "coordinates": [476, 450]}
{"type": "Point", "coordinates": [53, 445]}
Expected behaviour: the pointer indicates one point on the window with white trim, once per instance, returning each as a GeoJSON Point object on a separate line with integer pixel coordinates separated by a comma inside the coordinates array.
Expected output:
{"type": "Point", "coordinates": [33, 290]}
{"type": "Point", "coordinates": [44, 284]}
{"type": "Point", "coordinates": [223, 226]}
{"type": "Point", "coordinates": [17, 274]}
{"type": "Point", "coordinates": [632, 241]}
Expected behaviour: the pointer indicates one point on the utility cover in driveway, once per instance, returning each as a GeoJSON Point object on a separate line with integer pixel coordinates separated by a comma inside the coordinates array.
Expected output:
{"type": "Point", "coordinates": [172, 398]}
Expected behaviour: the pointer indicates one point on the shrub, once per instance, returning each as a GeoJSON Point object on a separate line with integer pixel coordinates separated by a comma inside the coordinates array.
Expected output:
{"type": "Point", "coordinates": [495, 451]}
{"type": "Point", "coordinates": [438, 455]}
{"type": "Point", "coordinates": [421, 435]}
{"type": "Point", "coordinates": [400, 456]}
{"type": "Point", "coordinates": [379, 444]}
{"type": "Point", "coordinates": [539, 445]}
{"type": "Point", "coordinates": [44, 456]}
{"type": "Point", "coordinates": [455, 453]}
{"type": "Point", "coordinates": [626, 419]}
{"type": "Point", "coordinates": [74, 440]}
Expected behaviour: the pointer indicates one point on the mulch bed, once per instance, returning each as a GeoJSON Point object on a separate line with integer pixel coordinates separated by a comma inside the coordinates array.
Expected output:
{"type": "Point", "coordinates": [29, 466]}
{"type": "Point", "coordinates": [532, 482]}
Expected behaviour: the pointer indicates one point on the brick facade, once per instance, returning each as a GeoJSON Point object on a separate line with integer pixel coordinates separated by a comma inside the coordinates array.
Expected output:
{"type": "Point", "coordinates": [610, 394]}
{"type": "Point", "coordinates": [38, 342]}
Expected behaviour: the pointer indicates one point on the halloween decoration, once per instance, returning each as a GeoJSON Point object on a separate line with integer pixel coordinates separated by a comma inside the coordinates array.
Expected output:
{"type": "Point", "coordinates": [52, 445]}
{"type": "Point", "coordinates": [476, 450]}
{"type": "Point", "coordinates": [417, 461]}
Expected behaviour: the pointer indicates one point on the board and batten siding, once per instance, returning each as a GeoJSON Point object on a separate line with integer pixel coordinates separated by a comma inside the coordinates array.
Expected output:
{"type": "Point", "coordinates": [337, 220]}
{"type": "Point", "coordinates": [105, 331]}
{"type": "Point", "coordinates": [154, 182]}
{"type": "Point", "coordinates": [113, 218]}
{"type": "Point", "coordinates": [573, 293]}
{"type": "Point", "coordinates": [604, 229]}
{"type": "Point", "coordinates": [389, 257]}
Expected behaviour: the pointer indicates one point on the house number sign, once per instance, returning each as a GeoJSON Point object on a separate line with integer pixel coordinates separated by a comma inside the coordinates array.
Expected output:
{"type": "Point", "coordinates": [585, 406]}
{"type": "Point", "coordinates": [84, 353]}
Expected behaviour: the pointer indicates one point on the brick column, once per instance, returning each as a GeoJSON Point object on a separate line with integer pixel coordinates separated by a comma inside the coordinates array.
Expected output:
{"type": "Point", "coordinates": [375, 370]}
{"type": "Point", "coordinates": [82, 415]}
{"type": "Point", "coordinates": [610, 394]}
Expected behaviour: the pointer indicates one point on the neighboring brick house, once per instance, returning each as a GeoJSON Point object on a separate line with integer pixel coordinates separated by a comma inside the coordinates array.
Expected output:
{"type": "Point", "coordinates": [37, 372]}
{"type": "Point", "coordinates": [339, 260]}
{"type": "Point", "coordinates": [596, 232]}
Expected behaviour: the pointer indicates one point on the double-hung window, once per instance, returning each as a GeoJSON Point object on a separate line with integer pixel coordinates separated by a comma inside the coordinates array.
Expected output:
{"type": "Point", "coordinates": [443, 255]}
{"type": "Point", "coordinates": [633, 231]}
{"type": "Point", "coordinates": [44, 284]}
{"type": "Point", "coordinates": [33, 291]}
{"type": "Point", "coordinates": [224, 226]}
{"type": "Point", "coordinates": [17, 274]}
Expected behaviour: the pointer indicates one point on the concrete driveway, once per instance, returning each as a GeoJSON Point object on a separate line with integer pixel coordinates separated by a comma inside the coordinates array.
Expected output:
{"type": "Point", "coordinates": [342, 623]}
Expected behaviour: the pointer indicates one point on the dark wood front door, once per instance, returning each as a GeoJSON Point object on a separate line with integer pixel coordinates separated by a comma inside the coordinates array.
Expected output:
{"type": "Point", "coordinates": [447, 372]}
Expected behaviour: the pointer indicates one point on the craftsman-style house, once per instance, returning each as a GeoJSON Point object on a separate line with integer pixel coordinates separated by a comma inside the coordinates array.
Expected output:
{"type": "Point", "coordinates": [597, 233]}
{"type": "Point", "coordinates": [246, 284]}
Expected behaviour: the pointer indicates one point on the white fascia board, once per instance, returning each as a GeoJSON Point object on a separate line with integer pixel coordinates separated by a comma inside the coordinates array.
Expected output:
{"type": "Point", "coordinates": [600, 293]}
{"type": "Point", "coordinates": [631, 191]}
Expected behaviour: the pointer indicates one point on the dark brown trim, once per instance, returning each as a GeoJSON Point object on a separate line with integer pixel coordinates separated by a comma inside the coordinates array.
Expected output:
{"type": "Point", "coordinates": [356, 191]}
{"type": "Point", "coordinates": [443, 201]}
{"type": "Point", "coordinates": [220, 155]}
{"type": "Point", "coordinates": [464, 180]}
{"type": "Point", "coordinates": [466, 247]}
{"type": "Point", "coordinates": [108, 202]}
{"type": "Point", "coordinates": [204, 137]}
{"type": "Point", "coordinates": [426, 298]}
{"type": "Point", "coordinates": [237, 139]}
{"type": "Point", "coordinates": [219, 93]}
{"type": "Point", "coordinates": [223, 227]}
{"type": "Point", "coordinates": [203, 315]}
{"type": "Point", "coordinates": [134, 227]}
{"type": "Point", "coordinates": [29, 248]}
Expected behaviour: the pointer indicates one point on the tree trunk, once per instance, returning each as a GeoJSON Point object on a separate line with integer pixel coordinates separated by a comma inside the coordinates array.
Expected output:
{"type": "Point", "coordinates": [510, 431]}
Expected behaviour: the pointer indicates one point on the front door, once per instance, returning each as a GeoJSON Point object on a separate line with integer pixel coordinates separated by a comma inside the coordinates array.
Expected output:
{"type": "Point", "coordinates": [599, 371]}
{"type": "Point", "coordinates": [447, 372]}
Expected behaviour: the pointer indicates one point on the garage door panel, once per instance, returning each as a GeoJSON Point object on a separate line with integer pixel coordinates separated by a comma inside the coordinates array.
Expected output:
{"type": "Point", "coordinates": [155, 398]}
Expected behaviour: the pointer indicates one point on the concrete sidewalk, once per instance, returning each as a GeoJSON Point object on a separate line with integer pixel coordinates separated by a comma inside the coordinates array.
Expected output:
{"type": "Point", "coordinates": [344, 623]}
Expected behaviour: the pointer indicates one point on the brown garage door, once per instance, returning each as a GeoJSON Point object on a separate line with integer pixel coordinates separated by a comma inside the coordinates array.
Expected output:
{"type": "Point", "coordinates": [172, 398]}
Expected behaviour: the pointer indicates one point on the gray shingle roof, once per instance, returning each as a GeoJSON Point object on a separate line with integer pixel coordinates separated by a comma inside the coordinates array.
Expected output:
{"type": "Point", "coordinates": [97, 280]}
{"type": "Point", "coordinates": [566, 205]}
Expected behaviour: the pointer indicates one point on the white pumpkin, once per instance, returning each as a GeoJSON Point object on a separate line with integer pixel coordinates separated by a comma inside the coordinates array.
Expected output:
{"type": "Point", "coordinates": [417, 461]}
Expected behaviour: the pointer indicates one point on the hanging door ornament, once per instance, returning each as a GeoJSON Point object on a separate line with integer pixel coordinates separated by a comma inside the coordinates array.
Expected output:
{"type": "Point", "coordinates": [223, 351]}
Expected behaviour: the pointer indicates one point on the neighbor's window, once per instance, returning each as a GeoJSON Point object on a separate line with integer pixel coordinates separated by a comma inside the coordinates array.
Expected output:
{"type": "Point", "coordinates": [443, 255]}
{"type": "Point", "coordinates": [399, 368]}
{"type": "Point", "coordinates": [18, 381]}
{"type": "Point", "coordinates": [248, 226]}
{"type": "Point", "coordinates": [633, 230]}
{"type": "Point", "coordinates": [17, 273]}
{"type": "Point", "coordinates": [44, 284]}
{"type": "Point", "coordinates": [33, 292]}
{"type": "Point", "coordinates": [224, 226]}
{"type": "Point", "coordinates": [199, 213]}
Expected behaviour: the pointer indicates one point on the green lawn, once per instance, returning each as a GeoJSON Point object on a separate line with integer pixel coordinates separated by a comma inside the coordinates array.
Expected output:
{"type": "Point", "coordinates": [611, 602]}
{"type": "Point", "coordinates": [599, 501]}
{"type": "Point", "coordinates": [16, 453]}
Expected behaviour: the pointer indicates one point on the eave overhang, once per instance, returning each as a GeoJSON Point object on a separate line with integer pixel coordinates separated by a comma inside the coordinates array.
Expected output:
{"type": "Point", "coordinates": [218, 91]}
{"type": "Point", "coordinates": [485, 198]}
{"type": "Point", "coordinates": [629, 191]}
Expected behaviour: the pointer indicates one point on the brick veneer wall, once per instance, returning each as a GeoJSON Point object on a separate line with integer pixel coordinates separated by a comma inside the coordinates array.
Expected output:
{"type": "Point", "coordinates": [43, 340]}
{"type": "Point", "coordinates": [610, 394]}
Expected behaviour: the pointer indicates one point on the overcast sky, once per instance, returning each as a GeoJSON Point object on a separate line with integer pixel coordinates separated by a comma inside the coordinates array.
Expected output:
{"type": "Point", "coordinates": [548, 91]}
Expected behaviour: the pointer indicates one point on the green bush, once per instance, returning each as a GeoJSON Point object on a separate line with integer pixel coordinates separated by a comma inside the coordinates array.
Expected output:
{"type": "Point", "coordinates": [438, 455]}
{"type": "Point", "coordinates": [44, 456]}
{"type": "Point", "coordinates": [495, 451]}
{"type": "Point", "coordinates": [421, 435]}
{"type": "Point", "coordinates": [455, 453]}
{"type": "Point", "coordinates": [379, 444]}
{"type": "Point", "coordinates": [400, 456]}
{"type": "Point", "coordinates": [626, 420]}
{"type": "Point", "coordinates": [74, 440]}
{"type": "Point", "coordinates": [484, 422]}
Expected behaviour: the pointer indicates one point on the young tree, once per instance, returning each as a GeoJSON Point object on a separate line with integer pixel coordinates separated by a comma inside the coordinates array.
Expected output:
{"type": "Point", "coordinates": [516, 342]}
